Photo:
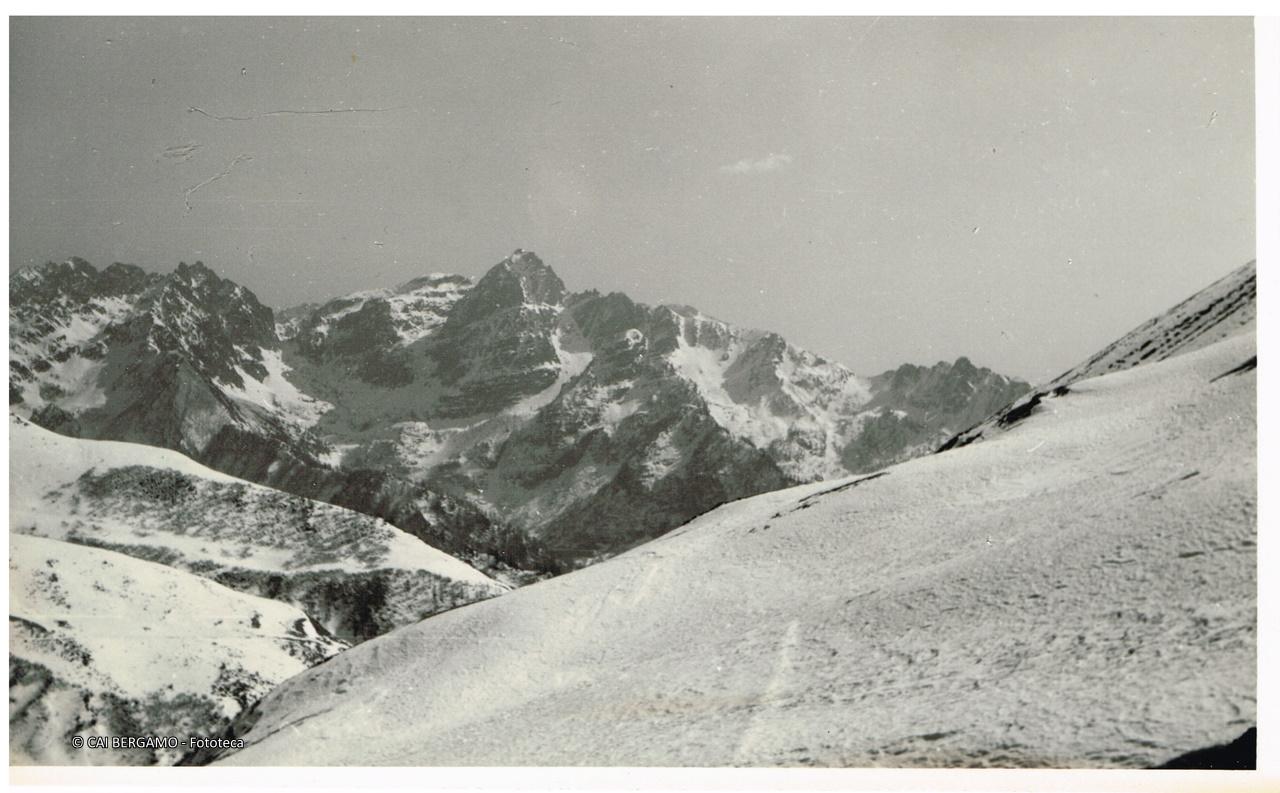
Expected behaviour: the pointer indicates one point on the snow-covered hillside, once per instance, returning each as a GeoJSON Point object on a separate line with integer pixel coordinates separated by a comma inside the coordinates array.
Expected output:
{"type": "Point", "coordinates": [1222, 309]}
{"type": "Point", "coordinates": [101, 644]}
{"type": "Point", "coordinates": [357, 575]}
{"type": "Point", "coordinates": [1078, 590]}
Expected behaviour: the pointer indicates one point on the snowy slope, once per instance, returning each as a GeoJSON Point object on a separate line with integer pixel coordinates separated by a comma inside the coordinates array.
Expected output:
{"type": "Point", "coordinates": [800, 407]}
{"type": "Point", "coordinates": [104, 644]}
{"type": "Point", "coordinates": [416, 309]}
{"type": "Point", "coordinates": [1225, 308]}
{"type": "Point", "coordinates": [1076, 591]}
{"type": "Point", "coordinates": [274, 394]}
{"type": "Point", "coordinates": [159, 505]}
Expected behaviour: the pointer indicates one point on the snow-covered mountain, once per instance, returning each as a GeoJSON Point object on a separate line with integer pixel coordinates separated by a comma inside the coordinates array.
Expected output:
{"type": "Point", "coordinates": [355, 575]}
{"type": "Point", "coordinates": [590, 422]}
{"type": "Point", "coordinates": [190, 362]}
{"type": "Point", "coordinates": [1076, 590]}
{"type": "Point", "coordinates": [166, 360]}
{"type": "Point", "coordinates": [507, 421]}
{"type": "Point", "coordinates": [101, 644]}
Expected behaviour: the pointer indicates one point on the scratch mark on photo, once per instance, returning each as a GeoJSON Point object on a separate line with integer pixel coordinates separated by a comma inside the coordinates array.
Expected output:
{"type": "Point", "coordinates": [290, 112]}
{"type": "Point", "coordinates": [186, 198]}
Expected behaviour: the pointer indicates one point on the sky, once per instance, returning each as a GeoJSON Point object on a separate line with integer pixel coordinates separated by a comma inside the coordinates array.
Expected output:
{"type": "Point", "coordinates": [879, 190]}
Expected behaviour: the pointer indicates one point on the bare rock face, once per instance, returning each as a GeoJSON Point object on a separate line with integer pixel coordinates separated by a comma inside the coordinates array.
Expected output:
{"type": "Point", "coordinates": [521, 279]}
{"type": "Point", "coordinates": [497, 345]}
{"type": "Point", "coordinates": [56, 312]}
{"type": "Point", "coordinates": [375, 319]}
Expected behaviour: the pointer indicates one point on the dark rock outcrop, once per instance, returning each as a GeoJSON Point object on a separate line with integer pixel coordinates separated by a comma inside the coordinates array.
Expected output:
{"type": "Point", "coordinates": [1239, 755]}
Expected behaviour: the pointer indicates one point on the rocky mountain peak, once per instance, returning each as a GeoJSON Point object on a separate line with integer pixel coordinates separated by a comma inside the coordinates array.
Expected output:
{"type": "Point", "coordinates": [603, 318]}
{"type": "Point", "coordinates": [123, 279]}
{"type": "Point", "coordinates": [538, 282]}
{"type": "Point", "coordinates": [75, 267]}
{"type": "Point", "coordinates": [913, 406]}
{"type": "Point", "coordinates": [196, 270]}
{"type": "Point", "coordinates": [190, 317]}
{"type": "Point", "coordinates": [381, 318]}
{"type": "Point", "coordinates": [196, 299]}
{"type": "Point", "coordinates": [961, 377]}
{"type": "Point", "coordinates": [521, 279]}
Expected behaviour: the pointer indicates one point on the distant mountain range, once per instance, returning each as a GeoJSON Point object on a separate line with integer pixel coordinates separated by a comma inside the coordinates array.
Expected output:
{"type": "Point", "coordinates": [510, 422]}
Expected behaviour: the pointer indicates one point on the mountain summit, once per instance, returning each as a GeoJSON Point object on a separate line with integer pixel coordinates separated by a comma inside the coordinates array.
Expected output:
{"type": "Point", "coordinates": [519, 280]}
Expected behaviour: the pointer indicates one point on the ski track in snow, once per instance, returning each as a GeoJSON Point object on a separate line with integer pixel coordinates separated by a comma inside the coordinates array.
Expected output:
{"type": "Point", "coordinates": [771, 695]}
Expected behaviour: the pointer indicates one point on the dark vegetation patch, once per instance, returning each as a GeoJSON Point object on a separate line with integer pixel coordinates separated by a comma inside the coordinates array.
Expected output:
{"type": "Point", "coordinates": [157, 485]}
{"type": "Point", "coordinates": [240, 684]}
{"type": "Point", "coordinates": [58, 644]}
{"type": "Point", "coordinates": [352, 606]}
{"type": "Point", "coordinates": [148, 553]}
{"type": "Point", "coordinates": [388, 369]}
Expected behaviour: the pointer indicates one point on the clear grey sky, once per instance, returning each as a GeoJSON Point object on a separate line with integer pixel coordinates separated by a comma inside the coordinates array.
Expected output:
{"type": "Point", "coordinates": [879, 191]}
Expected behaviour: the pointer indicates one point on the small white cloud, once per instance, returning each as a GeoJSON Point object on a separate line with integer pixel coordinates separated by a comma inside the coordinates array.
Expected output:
{"type": "Point", "coordinates": [771, 163]}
